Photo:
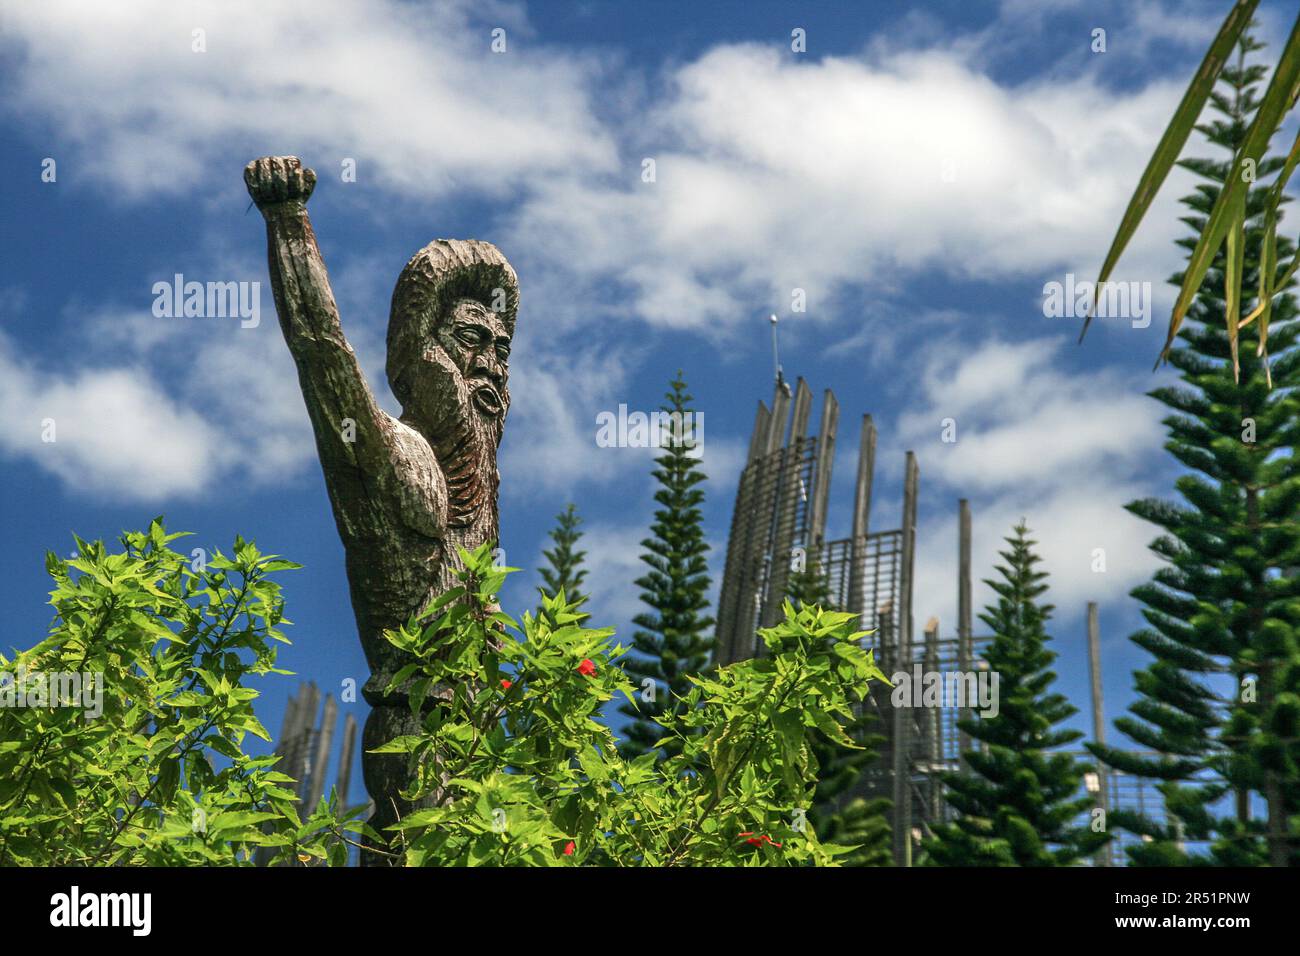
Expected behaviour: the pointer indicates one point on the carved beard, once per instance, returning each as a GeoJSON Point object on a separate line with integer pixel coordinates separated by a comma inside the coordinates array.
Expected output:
{"type": "Point", "coordinates": [457, 420]}
{"type": "Point", "coordinates": [466, 448]}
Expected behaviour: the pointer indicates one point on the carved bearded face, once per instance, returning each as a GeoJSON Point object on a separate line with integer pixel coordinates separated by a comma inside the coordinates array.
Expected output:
{"type": "Point", "coordinates": [456, 394]}
{"type": "Point", "coordinates": [476, 340]}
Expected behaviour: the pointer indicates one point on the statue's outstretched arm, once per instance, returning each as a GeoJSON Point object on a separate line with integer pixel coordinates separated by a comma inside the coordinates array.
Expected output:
{"type": "Point", "coordinates": [350, 426]}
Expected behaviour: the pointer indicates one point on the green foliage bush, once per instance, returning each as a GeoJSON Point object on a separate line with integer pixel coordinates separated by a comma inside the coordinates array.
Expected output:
{"type": "Point", "coordinates": [175, 642]}
{"type": "Point", "coordinates": [737, 793]}
{"type": "Point", "coordinates": [170, 643]}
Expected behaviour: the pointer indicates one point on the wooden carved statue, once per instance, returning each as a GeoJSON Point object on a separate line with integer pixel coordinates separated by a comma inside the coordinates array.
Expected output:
{"type": "Point", "coordinates": [407, 491]}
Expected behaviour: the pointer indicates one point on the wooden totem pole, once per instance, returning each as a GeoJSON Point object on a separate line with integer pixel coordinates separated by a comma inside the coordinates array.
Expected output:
{"type": "Point", "coordinates": [406, 492]}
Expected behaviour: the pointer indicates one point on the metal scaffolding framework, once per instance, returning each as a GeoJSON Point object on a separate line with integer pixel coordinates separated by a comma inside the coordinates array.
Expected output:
{"type": "Point", "coordinates": [779, 526]}
{"type": "Point", "coordinates": [304, 748]}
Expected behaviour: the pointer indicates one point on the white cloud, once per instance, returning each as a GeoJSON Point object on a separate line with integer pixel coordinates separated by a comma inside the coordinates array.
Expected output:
{"type": "Point", "coordinates": [614, 563]}
{"type": "Point", "coordinates": [1067, 523]}
{"type": "Point", "coordinates": [1022, 424]}
{"type": "Point", "coordinates": [773, 174]}
{"type": "Point", "coordinates": [412, 92]}
{"type": "Point", "coordinates": [172, 408]}
{"type": "Point", "coordinates": [1063, 450]}
{"type": "Point", "coordinates": [115, 431]}
{"type": "Point", "coordinates": [247, 383]}
{"type": "Point", "coordinates": [550, 438]}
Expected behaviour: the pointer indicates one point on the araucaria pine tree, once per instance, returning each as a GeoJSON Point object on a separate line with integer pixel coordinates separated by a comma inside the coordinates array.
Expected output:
{"type": "Point", "coordinates": [837, 815]}
{"type": "Point", "coordinates": [1219, 704]}
{"type": "Point", "coordinates": [674, 639]}
{"type": "Point", "coordinates": [564, 571]}
{"type": "Point", "coordinates": [1020, 801]}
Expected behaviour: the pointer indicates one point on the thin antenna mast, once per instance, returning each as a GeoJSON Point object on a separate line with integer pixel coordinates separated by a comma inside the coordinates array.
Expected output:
{"type": "Point", "coordinates": [776, 356]}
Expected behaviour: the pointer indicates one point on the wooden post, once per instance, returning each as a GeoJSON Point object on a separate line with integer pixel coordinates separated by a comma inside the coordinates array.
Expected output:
{"type": "Point", "coordinates": [903, 718]}
{"type": "Point", "coordinates": [307, 737]}
{"type": "Point", "coordinates": [760, 535]}
{"type": "Point", "coordinates": [758, 438]}
{"type": "Point", "coordinates": [788, 502]}
{"type": "Point", "coordinates": [288, 727]}
{"type": "Point", "coordinates": [911, 488]}
{"type": "Point", "coordinates": [964, 648]}
{"type": "Point", "coordinates": [933, 724]}
{"type": "Point", "coordinates": [345, 759]}
{"type": "Point", "coordinates": [735, 573]}
{"type": "Point", "coordinates": [321, 761]}
{"type": "Point", "coordinates": [780, 420]}
{"type": "Point", "coordinates": [284, 749]}
{"type": "Point", "coordinates": [822, 475]}
{"type": "Point", "coordinates": [1098, 718]}
{"type": "Point", "coordinates": [862, 517]}
{"type": "Point", "coordinates": [298, 737]}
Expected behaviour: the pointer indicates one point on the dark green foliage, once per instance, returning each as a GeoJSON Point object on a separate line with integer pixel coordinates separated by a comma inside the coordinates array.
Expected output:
{"type": "Point", "coordinates": [837, 814]}
{"type": "Point", "coordinates": [150, 770]}
{"type": "Point", "coordinates": [1019, 803]}
{"type": "Point", "coordinates": [674, 639]}
{"type": "Point", "coordinates": [1228, 598]}
{"type": "Point", "coordinates": [808, 587]}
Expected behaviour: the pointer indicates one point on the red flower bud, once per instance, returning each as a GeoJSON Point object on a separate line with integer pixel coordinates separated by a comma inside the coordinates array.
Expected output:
{"type": "Point", "coordinates": [569, 848]}
{"type": "Point", "coordinates": [505, 684]}
{"type": "Point", "coordinates": [586, 668]}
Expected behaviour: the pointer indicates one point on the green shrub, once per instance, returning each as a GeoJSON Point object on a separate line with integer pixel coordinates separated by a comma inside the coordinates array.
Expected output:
{"type": "Point", "coordinates": [128, 778]}
{"type": "Point", "coordinates": [131, 778]}
{"type": "Point", "coordinates": [736, 794]}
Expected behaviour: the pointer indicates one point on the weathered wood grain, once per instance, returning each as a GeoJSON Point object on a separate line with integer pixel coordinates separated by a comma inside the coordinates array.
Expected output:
{"type": "Point", "coordinates": [406, 492]}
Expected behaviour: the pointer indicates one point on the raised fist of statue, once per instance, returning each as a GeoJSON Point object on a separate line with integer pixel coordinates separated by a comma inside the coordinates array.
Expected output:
{"type": "Point", "coordinates": [277, 179]}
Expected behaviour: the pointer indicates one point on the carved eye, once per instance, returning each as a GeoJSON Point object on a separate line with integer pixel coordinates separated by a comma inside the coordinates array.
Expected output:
{"type": "Point", "coordinates": [503, 353]}
{"type": "Point", "coordinates": [470, 336]}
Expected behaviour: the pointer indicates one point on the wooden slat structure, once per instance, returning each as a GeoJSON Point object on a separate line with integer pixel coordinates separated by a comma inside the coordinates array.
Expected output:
{"type": "Point", "coordinates": [782, 505]}
{"type": "Point", "coordinates": [304, 748]}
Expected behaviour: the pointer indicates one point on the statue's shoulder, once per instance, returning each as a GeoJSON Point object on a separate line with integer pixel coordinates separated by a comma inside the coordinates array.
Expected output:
{"type": "Point", "coordinates": [420, 487]}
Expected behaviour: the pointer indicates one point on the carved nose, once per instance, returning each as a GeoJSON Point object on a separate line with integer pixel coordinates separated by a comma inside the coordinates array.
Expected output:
{"type": "Point", "coordinates": [484, 364]}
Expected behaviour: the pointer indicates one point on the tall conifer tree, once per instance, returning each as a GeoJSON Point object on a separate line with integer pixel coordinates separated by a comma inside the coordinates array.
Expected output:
{"type": "Point", "coordinates": [1227, 600]}
{"type": "Point", "coordinates": [564, 570]}
{"type": "Point", "coordinates": [674, 639]}
{"type": "Point", "coordinates": [1020, 802]}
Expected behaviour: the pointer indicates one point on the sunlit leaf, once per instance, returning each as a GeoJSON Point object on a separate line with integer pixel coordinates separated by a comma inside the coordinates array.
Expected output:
{"type": "Point", "coordinates": [1174, 138]}
{"type": "Point", "coordinates": [1281, 94]}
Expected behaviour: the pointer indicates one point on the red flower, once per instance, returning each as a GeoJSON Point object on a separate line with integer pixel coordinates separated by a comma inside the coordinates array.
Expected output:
{"type": "Point", "coordinates": [759, 840]}
{"type": "Point", "coordinates": [569, 848]}
{"type": "Point", "coordinates": [505, 684]}
{"type": "Point", "coordinates": [586, 668]}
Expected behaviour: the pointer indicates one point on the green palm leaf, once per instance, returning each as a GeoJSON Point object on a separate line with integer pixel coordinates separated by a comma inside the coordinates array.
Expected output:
{"type": "Point", "coordinates": [1280, 96]}
{"type": "Point", "coordinates": [1175, 137]}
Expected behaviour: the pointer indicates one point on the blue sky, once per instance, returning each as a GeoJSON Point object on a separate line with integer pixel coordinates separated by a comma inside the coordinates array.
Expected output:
{"type": "Point", "coordinates": [920, 172]}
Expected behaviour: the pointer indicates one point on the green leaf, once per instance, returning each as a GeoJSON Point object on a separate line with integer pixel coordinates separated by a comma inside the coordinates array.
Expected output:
{"type": "Point", "coordinates": [399, 745]}
{"type": "Point", "coordinates": [1232, 278]}
{"type": "Point", "coordinates": [1173, 140]}
{"type": "Point", "coordinates": [1281, 94]}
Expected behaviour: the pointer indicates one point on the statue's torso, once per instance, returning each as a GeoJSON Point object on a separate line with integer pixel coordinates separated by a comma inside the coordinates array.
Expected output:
{"type": "Point", "coordinates": [400, 550]}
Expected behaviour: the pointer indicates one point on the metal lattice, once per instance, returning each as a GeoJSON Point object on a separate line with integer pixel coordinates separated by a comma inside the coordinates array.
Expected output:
{"type": "Point", "coordinates": [780, 514]}
{"type": "Point", "coordinates": [771, 518]}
